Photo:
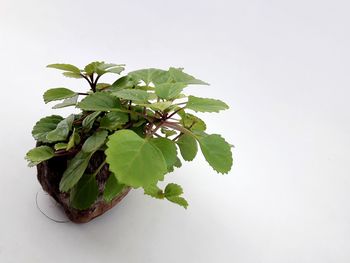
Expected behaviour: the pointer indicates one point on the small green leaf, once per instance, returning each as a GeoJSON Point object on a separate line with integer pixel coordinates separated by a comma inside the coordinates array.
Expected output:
{"type": "Point", "coordinates": [75, 170]}
{"type": "Point", "coordinates": [112, 188]}
{"type": "Point", "coordinates": [154, 191]}
{"type": "Point", "coordinates": [67, 102]}
{"type": "Point", "coordinates": [168, 149]}
{"type": "Point", "coordinates": [192, 122]}
{"type": "Point", "coordinates": [94, 142]}
{"type": "Point", "coordinates": [178, 75]}
{"type": "Point", "coordinates": [39, 154]}
{"type": "Point", "coordinates": [73, 140]}
{"type": "Point", "coordinates": [85, 193]}
{"type": "Point", "coordinates": [205, 105]}
{"type": "Point", "coordinates": [44, 126]}
{"type": "Point", "coordinates": [116, 70]}
{"type": "Point", "coordinates": [114, 120]}
{"type": "Point", "coordinates": [65, 67]}
{"type": "Point", "coordinates": [58, 94]}
{"type": "Point", "coordinates": [188, 147]}
{"type": "Point", "coordinates": [72, 75]}
{"type": "Point", "coordinates": [169, 90]}
{"type": "Point", "coordinates": [62, 130]}
{"type": "Point", "coordinates": [134, 160]}
{"type": "Point", "coordinates": [132, 94]}
{"type": "Point", "coordinates": [89, 120]}
{"type": "Point", "coordinates": [217, 152]}
{"type": "Point", "coordinates": [163, 105]}
{"type": "Point", "coordinates": [100, 101]}
{"type": "Point", "coordinates": [167, 132]}
{"type": "Point", "coordinates": [178, 200]}
{"type": "Point", "coordinates": [101, 86]}
{"type": "Point", "coordinates": [172, 190]}
{"type": "Point", "coordinates": [60, 146]}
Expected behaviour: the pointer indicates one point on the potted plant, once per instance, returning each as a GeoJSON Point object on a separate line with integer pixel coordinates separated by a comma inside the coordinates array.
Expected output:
{"type": "Point", "coordinates": [128, 135]}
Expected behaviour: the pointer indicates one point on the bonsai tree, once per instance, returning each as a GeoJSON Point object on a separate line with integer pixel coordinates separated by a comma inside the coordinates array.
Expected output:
{"type": "Point", "coordinates": [128, 134]}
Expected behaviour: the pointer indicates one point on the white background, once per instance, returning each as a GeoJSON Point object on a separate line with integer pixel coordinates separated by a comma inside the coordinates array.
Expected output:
{"type": "Point", "coordinates": [283, 66]}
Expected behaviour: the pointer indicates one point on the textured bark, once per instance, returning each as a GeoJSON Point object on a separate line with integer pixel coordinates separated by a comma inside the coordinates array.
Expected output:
{"type": "Point", "coordinates": [50, 173]}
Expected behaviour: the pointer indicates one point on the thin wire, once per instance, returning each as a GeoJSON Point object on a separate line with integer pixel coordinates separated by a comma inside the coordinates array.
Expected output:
{"type": "Point", "coordinates": [37, 205]}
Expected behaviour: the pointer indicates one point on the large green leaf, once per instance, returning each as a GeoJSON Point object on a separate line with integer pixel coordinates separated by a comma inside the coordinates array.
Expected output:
{"type": "Point", "coordinates": [125, 82]}
{"type": "Point", "coordinates": [134, 160]}
{"type": "Point", "coordinates": [75, 170]}
{"type": "Point", "coordinates": [62, 130]}
{"type": "Point", "coordinates": [169, 90]}
{"type": "Point", "coordinates": [58, 94]}
{"type": "Point", "coordinates": [168, 149]}
{"type": "Point", "coordinates": [72, 75]}
{"type": "Point", "coordinates": [44, 126]}
{"type": "Point", "coordinates": [205, 105]}
{"type": "Point", "coordinates": [89, 120]}
{"type": "Point", "coordinates": [114, 120]}
{"type": "Point", "coordinates": [178, 75]}
{"type": "Point", "coordinates": [100, 101]}
{"type": "Point", "coordinates": [217, 152]}
{"type": "Point", "coordinates": [39, 154]}
{"type": "Point", "coordinates": [67, 102]}
{"type": "Point", "coordinates": [148, 75]}
{"type": "Point", "coordinates": [85, 193]}
{"type": "Point", "coordinates": [94, 142]}
{"type": "Point", "coordinates": [132, 94]}
{"type": "Point", "coordinates": [112, 188]}
{"type": "Point", "coordinates": [65, 67]}
{"type": "Point", "coordinates": [188, 147]}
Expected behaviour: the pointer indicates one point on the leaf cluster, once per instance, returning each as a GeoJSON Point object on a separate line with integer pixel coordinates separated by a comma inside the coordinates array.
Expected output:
{"type": "Point", "coordinates": [143, 122]}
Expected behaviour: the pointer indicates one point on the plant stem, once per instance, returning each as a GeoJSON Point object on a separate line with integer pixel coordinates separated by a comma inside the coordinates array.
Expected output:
{"type": "Point", "coordinates": [99, 168]}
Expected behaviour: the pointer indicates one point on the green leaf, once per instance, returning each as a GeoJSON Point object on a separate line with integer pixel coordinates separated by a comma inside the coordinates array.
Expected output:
{"type": "Point", "coordinates": [93, 68]}
{"type": "Point", "coordinates": [205, 105]}
{"type": "Point", "coordinates": [58, 94]}
{"type": "Point", "coordinates": [65, 67]}
{"type": "Point", "coordinates": [178, 75]}
{"type": "Point", "coordinates": [188, 147]}
{"type": "Point", "coordinates": [125, 82]}
{"type": "Point", "coordinates": [71, 142]}
{"type": "Point", "coordinates": [85, 193]}
{"type": "Point", "coordinates": [72, 75]}
{"type": "Point", "coordinates": [154, 191]}
{"type": "Point", "coordinates": [114, 120]}
{"type": "Point", "coordinates": [168, 149]}
{"type": "Point", "coordinates": [112, 188]}
{"type": "Point", "coordinates": [163, 105]}
{"type": "Point", "coordinates": [44, 126]}
{"type": "Point", "coordinates": [62, 130]}
{"type": "Point", "coordinates": [94, 142]}
{"type": "Point", "coordinates": [132, 94]}
{"type": "Point", "coordinates": [147, 75]}
{"type": "Point", "coordinates": [167, 132]}
{"type": "Point", "coordinates": [178, 200]}
{"type": "Point", "coordinates": [89, 120]}
{"type": "Point", "coordinates": [116, 70]}
{"type": "Point", "coordinates": [60, 146]}
{"type": "Point", "coordinates": [101, 86]}
{"type": "Point", "coordinates": [134, 160]}
{"type": "Point", "coordinates": [172, 190]}
{"type": "Point", "coordinates": [217, 152]}
{"type": "Point", "coordinates": [169, 90]}
{"type": "Point", "coordinates": [75, 170]}
{"type": "Point", "coordinates": [100, 101]}
{"type": "Point", "coordinates": [192, 122]}
{"type": "Point", "coordinates": [39, 154]}
{"type": "Point", "coordinates": [67, 102]}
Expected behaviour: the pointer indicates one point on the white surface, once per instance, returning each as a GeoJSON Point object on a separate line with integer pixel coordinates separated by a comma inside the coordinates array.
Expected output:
{"type": "Point", "coordinates": [283, 66]}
